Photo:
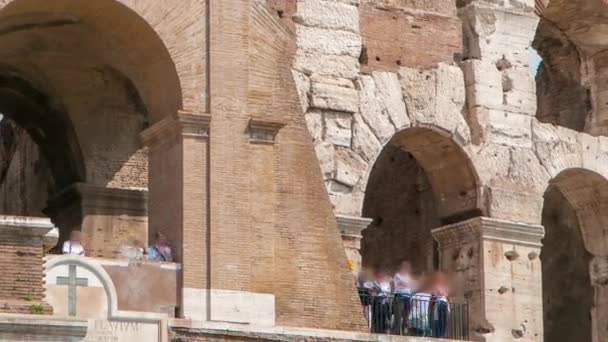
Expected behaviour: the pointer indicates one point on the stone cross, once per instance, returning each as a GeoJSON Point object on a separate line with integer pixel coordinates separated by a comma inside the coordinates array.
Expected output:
{"type": "Point", "coordinates": [72, 282]}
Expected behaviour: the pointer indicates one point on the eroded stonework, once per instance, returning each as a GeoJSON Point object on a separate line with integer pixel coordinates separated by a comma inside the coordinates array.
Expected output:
{"type": "Point", "coordinates": [484, 99]}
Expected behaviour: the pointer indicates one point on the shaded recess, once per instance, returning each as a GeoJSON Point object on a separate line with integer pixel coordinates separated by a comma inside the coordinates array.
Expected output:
{"type": "Point", "coordinates": [83, 79]}
{"type": "Point", "coordinates": [567, 290]}
{"type": "Point", "coordinates": [421, 180]}
{"type": "Point", "coordinates": [571, 84]}
{"type": "Point", "coordinates": [575, 217]}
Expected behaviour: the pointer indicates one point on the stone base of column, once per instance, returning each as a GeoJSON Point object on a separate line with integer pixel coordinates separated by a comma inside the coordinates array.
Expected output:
{"type": "Point", "coordinates": [496, 268]}
{"type": "Point", "coordinates": [350, 229]}
{"type": "Point", "coordinates": [107, 217]}
{"type": "Point", "coordinates": [21, 251]}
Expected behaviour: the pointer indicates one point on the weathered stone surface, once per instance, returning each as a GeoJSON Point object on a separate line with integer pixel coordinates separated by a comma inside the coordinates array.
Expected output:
{"type": "Point", "coordinates": [557, 148]}
{"type": "Point", "coordinates": [329, 15]}
{"type": "Point", "coordinates": [484, 84]}
{"type": "Point", "coordinates": [365, 142]}
{"type": "Point", "coordinates": [334, 94]}
{"type": "Point", "coordinates": [327, 65]}
{"type": "Point", "coordinates": [349, 167]}
{"type": "Point", "coordinates": [388, 89]}
{"type": "Point", "coordinates": [435, 97]}
{"type": "Point", "coordinates": [326, 155]}
{"type": "Point", "coordinates": [314, 122]}
{"type": "Point", "coordinates": [328, 42]}
{"type": "Point", "coordinates": [374, 111]}
{"type": "Point", "coordinates": [507, 128]}
{"type": "Point", "coordinates": [338, 128]}
{"type": "Point", "coordinates": [303, 87]}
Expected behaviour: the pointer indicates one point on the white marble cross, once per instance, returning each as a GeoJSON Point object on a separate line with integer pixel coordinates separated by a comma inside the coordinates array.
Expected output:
{"type": "Point", "coordinates": [73, 283]}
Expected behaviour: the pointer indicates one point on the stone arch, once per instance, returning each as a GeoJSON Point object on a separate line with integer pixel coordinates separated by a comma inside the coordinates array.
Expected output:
{"type": "Point", "coordinates": [130, 35]}
{"type": "Point", "coordinates": [570, 82]}
{"type": "Point", "coordinates": [427, 143]}
{"type": "Point", "coordinates": [422, 179]}
{"type": "Point", "coordinates": [108, 66]}
{"type": "Point", "coordinates": [46, 121]}
{"type": "Point", "coordinates": [574, 216]}
{"type": "Point", "coordinates": [587, 192]}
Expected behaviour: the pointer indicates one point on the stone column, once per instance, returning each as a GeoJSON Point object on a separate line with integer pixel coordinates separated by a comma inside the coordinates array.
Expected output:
{"type": "Point", "coordinates": [350, 229]}
{"type": "Point", "coordinates": [501, 91]}
{"type": "Point", "coordinates": [495, 266]}
{"type": "Point", "coordinates": [107, 217]}
{"type": "Point", "coordinates": [22, 285]}
{"type": "Point", "coordinates": [598, 269]}
{"type": "Point", "coordinates": [178, 159]}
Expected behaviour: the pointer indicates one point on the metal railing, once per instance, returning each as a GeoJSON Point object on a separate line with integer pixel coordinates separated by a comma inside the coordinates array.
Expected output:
{"type": "Point", "coordinates": [415, 315]}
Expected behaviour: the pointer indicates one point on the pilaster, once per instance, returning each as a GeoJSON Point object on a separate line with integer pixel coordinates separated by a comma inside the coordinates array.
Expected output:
{"type": "Point", "coordinates": [351, 229]}
{"type": "Point", "coordinates": [495, 265]}
{"type": "Point", "coordinates": [501, 91]}
{"type": "Point", "coordinates": [178, 157]}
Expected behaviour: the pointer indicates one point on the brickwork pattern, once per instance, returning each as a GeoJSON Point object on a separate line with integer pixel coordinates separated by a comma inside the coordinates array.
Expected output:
{"type": "Point", "coordinates": [390, 28]}
{"type": "Point", "coordinates": [21, 267]}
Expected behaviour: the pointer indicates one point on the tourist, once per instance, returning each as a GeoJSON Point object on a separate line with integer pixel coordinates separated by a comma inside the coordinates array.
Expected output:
{"type": "Point", "coordinates": [365, 285]}
{"type": "Point", "coordinates": [161, 250]}
{"type": "Point", "coordinates": [440, 304]}
{"type": "Point", "coordinates": [381, 309]}
{"type": "Point", "coordinates": [74, 245]}
{"type": "Point", "coordinates": [403, 286]}
{"type": "Point", "coordinates": [418, 318]}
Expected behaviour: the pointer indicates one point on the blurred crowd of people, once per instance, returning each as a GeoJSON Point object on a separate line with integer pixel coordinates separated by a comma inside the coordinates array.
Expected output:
{"type": "Point", "coordinates": [160, 251]}
{"type": "Point", "coordinates": [405, 302]}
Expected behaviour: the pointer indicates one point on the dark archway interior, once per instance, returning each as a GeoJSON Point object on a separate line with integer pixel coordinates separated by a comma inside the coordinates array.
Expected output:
{"type": "Point", "coordinates": [402, 205]}
{"type": "Point", "coordinates": [563, 98]}
{"type": "Point", "coordinates": [567, 292]}
{"type": "Point", "coordinates": [46, 122]}
{"type": "Point", "coordinates": [421, 180]}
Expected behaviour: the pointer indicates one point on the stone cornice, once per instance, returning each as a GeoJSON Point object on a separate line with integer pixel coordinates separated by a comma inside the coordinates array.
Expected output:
{"type": "Point", "coordinates": [263, 131]}
{"type": "Point", "coordinates": [96, 198]}
{"type": "Point", "coordinates": [351, 225]}
{"type": "Point", "coordinates": [30, 226]}
{"type": "Point", "coordinates": [185, 123]}
{"type": "Point", "coordinates": [490, 229]}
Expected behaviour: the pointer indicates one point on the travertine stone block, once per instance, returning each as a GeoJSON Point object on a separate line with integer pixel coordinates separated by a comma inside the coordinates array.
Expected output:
{"type": "Point", "coordinates": [504, 294]}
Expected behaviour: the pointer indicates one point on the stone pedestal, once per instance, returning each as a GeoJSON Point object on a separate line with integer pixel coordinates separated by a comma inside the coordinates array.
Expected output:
{"type": "Point", "coordinates": [107, 217]}
{"type": "Point", "coordinates": [21, 288]}
{"type": "Point", "coordinates": [350, 229]}
{"type": "Point", "coordinates": [495, 266]}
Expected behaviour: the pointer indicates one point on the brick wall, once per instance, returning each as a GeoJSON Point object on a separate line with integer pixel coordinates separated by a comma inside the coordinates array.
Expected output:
{"type": "Point", "coordinates": [21, 267]}
{"type": "Point", "coordinates": [273, 229]}
{"type": "Point", "coordinates": [412, 33]}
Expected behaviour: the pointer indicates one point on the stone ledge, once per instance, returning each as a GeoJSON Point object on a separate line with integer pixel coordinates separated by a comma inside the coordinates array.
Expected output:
{"type": "Point", "coordinates": [183, 123]}
{"type": "Point", "coordinates": [30, 226]}
{"type": "Point", "coordinates": [99, 198]}
{"type": "Point", "coordinates": [263, 131]}
{"type": "Point", "coordinates": [490, 229]}
{"type": "Point", "coordinates": [42, 328]}
{"type": "Point", "coordinates": [277, 333]}
{"type": "Point", "coordinates": [352, 225]}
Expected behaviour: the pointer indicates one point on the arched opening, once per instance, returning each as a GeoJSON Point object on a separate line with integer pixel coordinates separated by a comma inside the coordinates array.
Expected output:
{"type": "Point", "coordinates": [421, 180]}
{"type": "Point", "coordinates": [574, 219]}
{"type": "Point", "coordinates": [79, 81]}
{"type": "Point", "coordinates": [571, 82]}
